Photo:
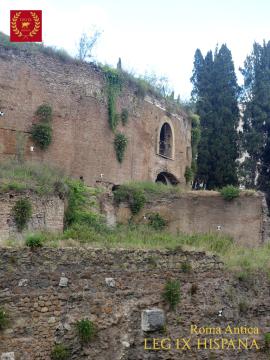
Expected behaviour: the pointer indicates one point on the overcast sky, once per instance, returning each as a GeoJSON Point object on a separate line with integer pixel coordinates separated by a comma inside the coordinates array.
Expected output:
{"type": "Point", "coordinates": [152, 35]}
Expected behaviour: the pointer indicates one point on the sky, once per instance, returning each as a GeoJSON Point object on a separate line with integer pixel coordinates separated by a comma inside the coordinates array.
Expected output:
{"type": "Point", "coordinates": [152, 35]}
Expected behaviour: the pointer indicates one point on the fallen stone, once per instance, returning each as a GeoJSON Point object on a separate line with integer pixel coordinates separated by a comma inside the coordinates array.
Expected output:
{"type": "Point", "coordinates": [110, 282]}
{"type": "Point", "coordinates": [23, 282]}
{"type": "Point", "coordinates": [63, 281]}
{"type": "Point", "coordinates": [152, 319]}
{"type": "Point", "coordinates": [8, 356]}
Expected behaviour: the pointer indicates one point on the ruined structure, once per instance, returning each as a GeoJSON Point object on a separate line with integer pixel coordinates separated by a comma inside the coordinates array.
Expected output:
{"type": "Point", "coordinates": [83, 144]}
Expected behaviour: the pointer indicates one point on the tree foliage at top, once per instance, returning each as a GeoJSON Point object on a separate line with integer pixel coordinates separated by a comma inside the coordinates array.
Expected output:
{"type": "Point", "coordinates": [256, 121]}
{"type": "Point", "coordinates": [215, 92]}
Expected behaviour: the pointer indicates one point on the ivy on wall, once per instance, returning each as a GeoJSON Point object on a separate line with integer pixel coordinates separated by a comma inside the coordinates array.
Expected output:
{"type": "Point", "coordinates": [42, 132]}
{"type": "Point", "coordinates": [114, 80]}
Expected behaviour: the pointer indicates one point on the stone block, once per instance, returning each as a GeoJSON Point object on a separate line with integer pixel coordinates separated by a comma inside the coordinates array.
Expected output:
{"type": "Point", "coordinates": [152, 319]}
{"type": "Point", "coordinates": [8, 356]}
{"type": "Point", "coordinates": [63, 281]}
{"type": "Point", "coordinates": [110, 282]}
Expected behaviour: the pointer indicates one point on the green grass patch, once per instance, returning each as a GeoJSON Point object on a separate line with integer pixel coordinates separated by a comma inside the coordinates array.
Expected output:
{"type": "Point", "coordinates": [40, 178]}
{"type": "Point", "coordinates": [229, 192]}
{"type": "Point", "coordinates": [171, 293]}
{"type": "Point", "coordinates": [86, 330]}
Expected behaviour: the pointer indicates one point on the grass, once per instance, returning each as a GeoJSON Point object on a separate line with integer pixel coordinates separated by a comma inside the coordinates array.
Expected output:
{"type": "Point", "coordinates": [38, 177]}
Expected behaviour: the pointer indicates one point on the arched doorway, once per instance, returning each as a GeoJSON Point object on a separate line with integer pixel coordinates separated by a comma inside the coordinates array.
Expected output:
{"type": "Point", "coordinates": [166, 178]}
{"type": "Point", "coordinates": [166, 141]}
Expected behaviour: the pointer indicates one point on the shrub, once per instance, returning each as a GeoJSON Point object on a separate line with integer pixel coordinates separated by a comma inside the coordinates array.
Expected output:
{"type": "Point", "coordinates": [22, 212]}
{"type": "Point", "coordinates": [124, 116]}
{"type": "Point", "coordinates": [44, 113]}
{"type": "Point", "coordinates": [3, 319]}
{"type": "Point", "coordinates": [120, 145]}
{"type": "Point", "coordinates": [134, 196]}
{"type": "Point", "coordinates": [156, 221]}
{"type": "Point", "coordinates": [186, 267]}
{"type": "Point", "coordinates": [267, 341]}
{"type": "Point", "coordinates": [171, 293]}
{"type": "Point", "coordinates": [34, 240]}
{"type": "Point", "coordinates": [188, 174]}
{"type": "Point", "coordinates": [42, 135]}
{"type": "Point", "coordinates": [243, 307]}
{"type": "Point", "coordinates": [60, 352]}
{"type": "Point", "coordinates": [229, 192]}
{"type": "Point", "coordinates": [86, 330]}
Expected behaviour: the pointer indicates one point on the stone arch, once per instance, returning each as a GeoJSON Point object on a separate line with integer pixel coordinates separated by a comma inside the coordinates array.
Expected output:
{"type": "Point", "coordinates": [166, 178]}
{"type": "Point", "coordinates": [165, 142]}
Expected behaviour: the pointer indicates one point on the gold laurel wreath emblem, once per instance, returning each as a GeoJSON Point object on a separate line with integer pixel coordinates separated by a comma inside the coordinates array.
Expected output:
{"type": "Point", "coordinates": [14, 24]}
{"type": "Point", "coordinates": [37, 24]}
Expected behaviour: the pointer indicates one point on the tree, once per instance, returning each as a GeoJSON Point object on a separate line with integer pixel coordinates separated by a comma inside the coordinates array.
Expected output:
{"type": "Point", "coordinates": [256, 120]}
{"type": "Point", "coordinates": [86, 45]}
{"type": "Point", "coordinates": [215, 92]}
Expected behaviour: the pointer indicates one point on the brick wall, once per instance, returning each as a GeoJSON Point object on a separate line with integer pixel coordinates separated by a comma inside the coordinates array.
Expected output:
{"type": "Point", "coordinates": [47, 214]}
{"type": "Point", "coordinates": [82, 140]}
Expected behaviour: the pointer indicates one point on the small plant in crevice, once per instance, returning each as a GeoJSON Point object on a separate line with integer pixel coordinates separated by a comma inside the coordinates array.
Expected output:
{"type": "Point", "coordinates": [229, 192]}
{"type": "Point", "coordinates": [171, 293]}
{"type": "Point", "coordinates": [22, 212]}
{"type": "Point", "coordinates": [124, 116]}
{"type": "Point", "coordinates": [120, 145]}
{"type": "Point", "coordinates": [243, 307]}
{"type": "Point", "coordinates": [4, 320]}
{"type": "Point", "coordinates": [60, 352]}
{"type": "Point", "coordinates": [186, 267]}
{"type": "Point", "coordinates": [267, 341]}
{"type": "Point", "coordinates": [34, 240]}
{"type": "Point", "coordinates": [156, 221]}
{"type": "Point", "coordinates": [86, 330]}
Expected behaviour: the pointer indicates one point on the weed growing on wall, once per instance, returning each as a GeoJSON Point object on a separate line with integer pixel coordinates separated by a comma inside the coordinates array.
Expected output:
{"type": "Point", "coordinates": [34, 240]}
{"type": "Point", "coordinates": [60, 352]}
{"type": "Point", "coordinates": [267, 341]}
{"type": "Point", "coordinates": [171, 293]}
{"type": "Point", "coordinates": [22, 212]}
{"type": "Point", "coordinates": [120, 145]}
{"type": "Point", "coordinates": [4, 321]}
{"type": "Point", "coordinates": [230, 192]}
{"type": "Point", "coordinates": [42, 132]}
{"type": "Point", "coordinates": [188, 174]}
{"type": "Point", "coordinates": [86, 330]}
{"type": "Point", "coordinates": [124, 116]}
{"type": "Point", "coordinates": [156, 221]}
{"type": "Point", "coordinates": [133, 196]}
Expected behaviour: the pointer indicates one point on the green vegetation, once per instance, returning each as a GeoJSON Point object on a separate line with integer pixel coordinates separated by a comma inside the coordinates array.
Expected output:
{"type": "Point", "coordinates": [44, 113]}
{"type": "Point", "coordinates": [230, 192]}
{"type": "Point", "coordinates": [133, 196]}
{"type": "Point", "coordinates": [120, 145]}
{"type": "Point", "coordinates": [156, 221]}
{"type": "Point", "coordinates": [267, 341]}
{"type": "Point", "coordinates": [60, 352]}
{"type": "Point", "coordinates": [195, 139]}
{"type": "Point", "coordinates": [42, 132]}
{"type": "Point", "coordinates": [4, 320]}
{"type": "Point", "coordinates": [124, 116]}
{"type": "Point", "coordinates": [188, 174]}
{"type": "Point", "coordinates": [171, 293]}
{"type": "Point", "coordinates": [86, 330]}
{"type": "Point", "coordinates": [186, 267]}
{"type": "Point", "coordinates": [34, 240]}
{"type": "Point", "coordinates": [37, 177]}
{"type": "Point", "coordinates": [42, 135]}
{"type": "Point", "coordinates": [22, 212]}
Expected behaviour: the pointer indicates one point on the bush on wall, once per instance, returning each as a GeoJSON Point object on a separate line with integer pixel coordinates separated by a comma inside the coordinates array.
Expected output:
{"type": "Point", "coordinates": [22, 212]}
{"type": "Point", "coordinates": [120, 145]}
{"type": "Point", "coordinates": [42, 135]}
{"type": "Point", "coordinates": [60, 352]}
{"type": "Point", "coordinates": [86, 330]}
{"type": "Point", "coordinates": [3, 319]}
{"type": "Point", "coordinates": [44, 113]}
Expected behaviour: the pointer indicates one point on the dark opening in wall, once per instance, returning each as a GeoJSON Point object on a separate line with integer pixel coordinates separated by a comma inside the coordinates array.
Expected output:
{"type": "Point", "coordinates": [165, 141]}
{"type": "Point", "coordinates": [166, 178]}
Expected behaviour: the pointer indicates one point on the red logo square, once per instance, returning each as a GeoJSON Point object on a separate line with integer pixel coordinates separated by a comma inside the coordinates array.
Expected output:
{"type": "Point", "coordinates": [26, 25]}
